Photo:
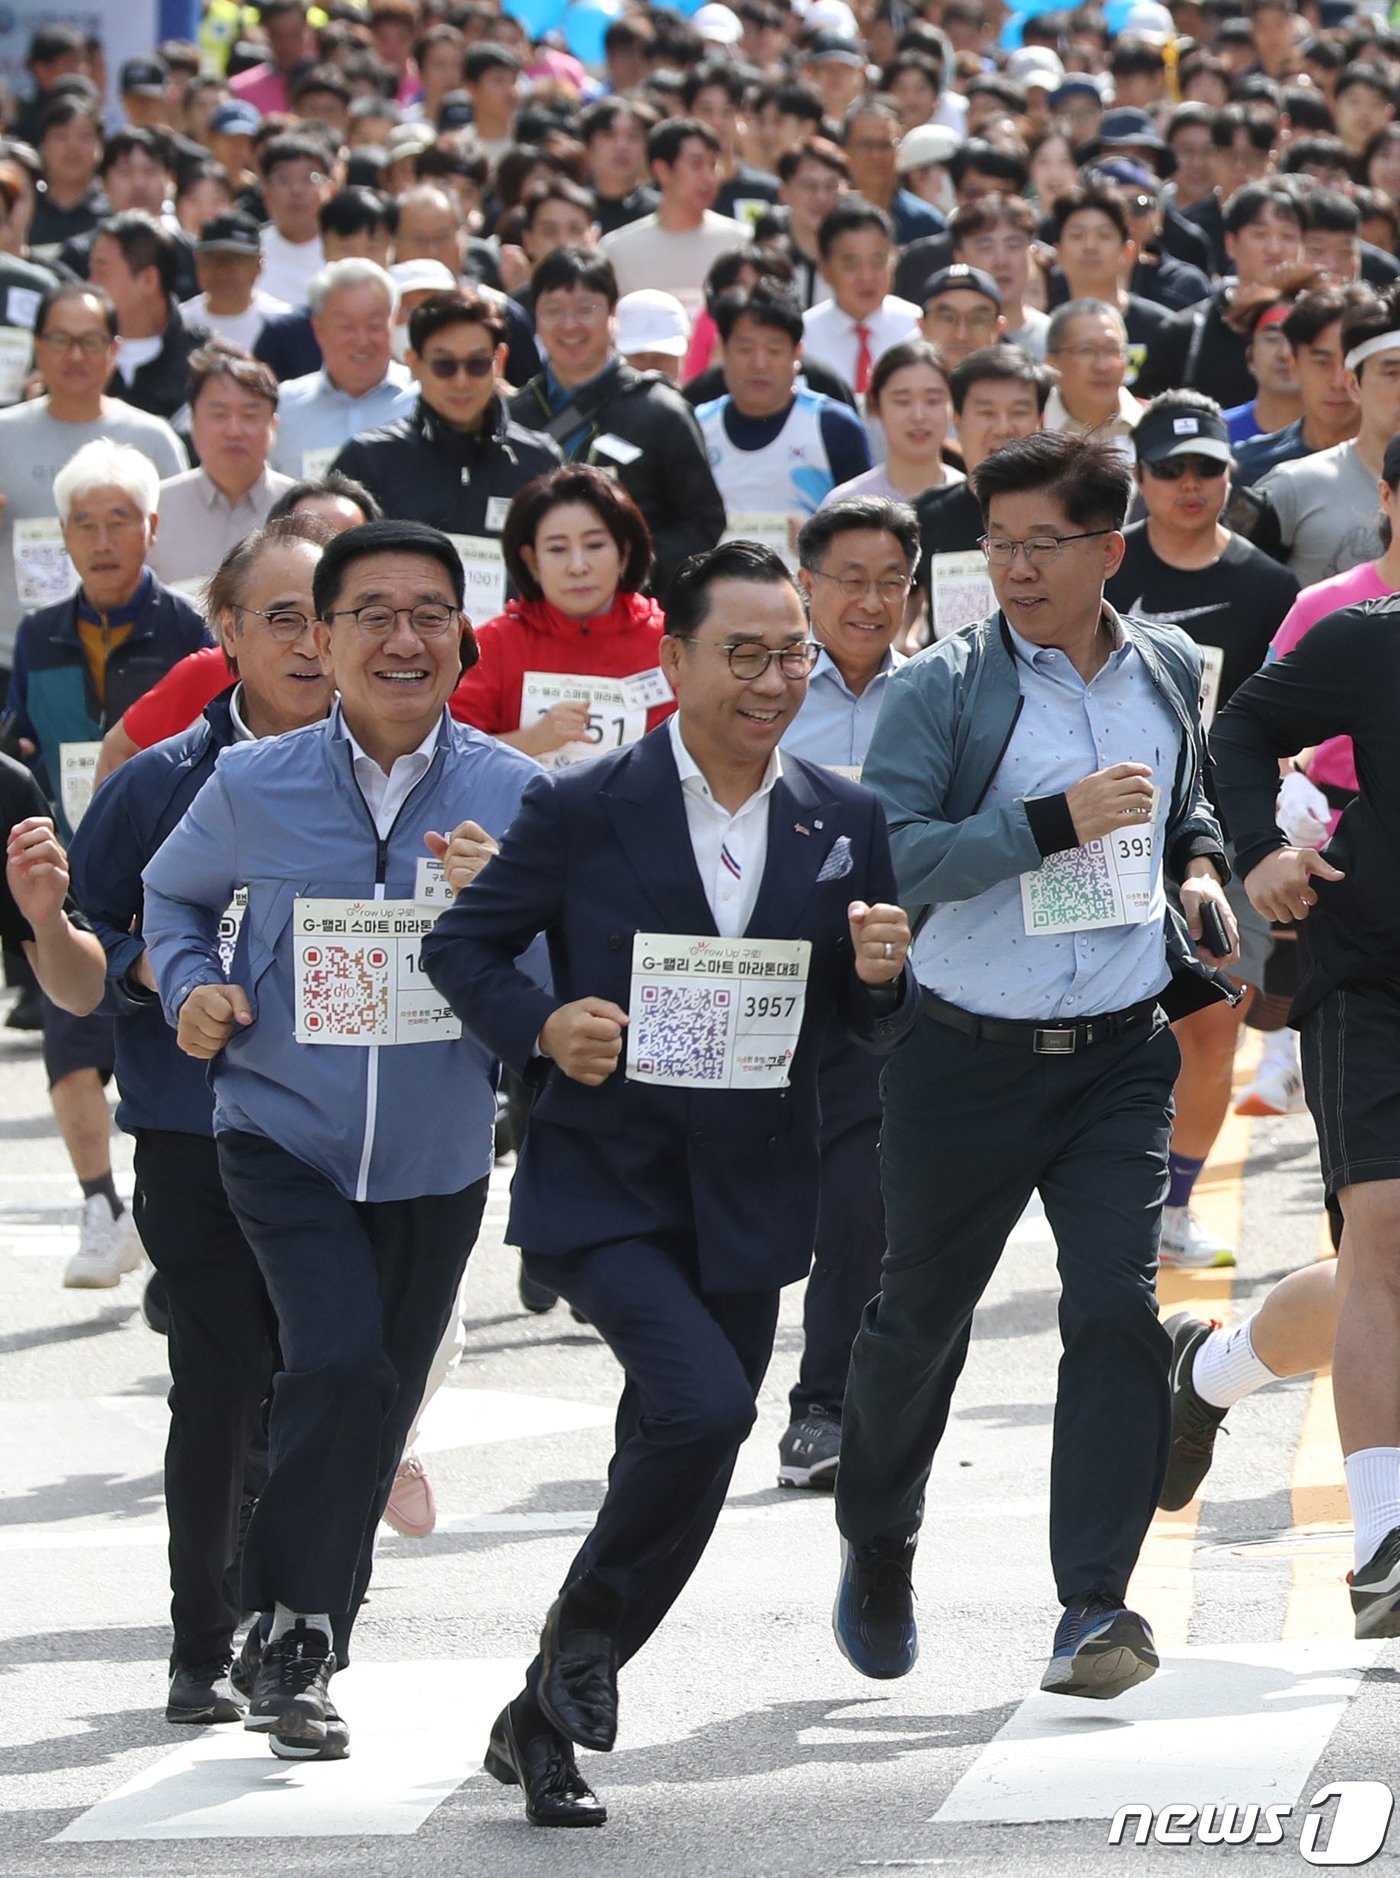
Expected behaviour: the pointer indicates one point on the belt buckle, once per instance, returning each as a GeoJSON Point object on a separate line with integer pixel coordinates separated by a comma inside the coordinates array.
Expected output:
{"type": "Point", "coordinates": [1055, 1042]}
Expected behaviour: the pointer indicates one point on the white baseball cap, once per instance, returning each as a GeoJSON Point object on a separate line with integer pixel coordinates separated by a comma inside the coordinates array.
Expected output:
{"type": "Point", "coordinates": [832, 16]}
{"type": "Point", "coordinates": [925, 144]}
{"type": "Point", "coordinates": [418, 276]}
{"type": "Point", "coordinates": [718, 23]}
{"type": "Point", "coordinates": [651, 321]}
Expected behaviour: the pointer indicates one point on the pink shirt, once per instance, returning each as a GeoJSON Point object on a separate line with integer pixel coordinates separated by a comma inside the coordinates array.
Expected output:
{"type": "Point", "coordinates": [262, 86]}
{"type": "Point", "coordinates": [1334, 762]}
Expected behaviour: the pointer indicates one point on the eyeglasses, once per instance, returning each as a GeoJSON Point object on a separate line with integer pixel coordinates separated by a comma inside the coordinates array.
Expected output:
{"type": "Point", "coordinates": [890, 590]}
{"type": "Point", "coordinates": [1001, 551]}
{"type": "Point", "coordinates": [749, 661]}
{"type": "Point", "coordinates": [285, 623]}
{"type": "Point", "coordinates": [974, 319]}
{"type": "Point", "coordinates": [89, 344]}
{"type": "Point", "coordinates": [443, 365]}
{"type": "Point", "coordinates": [1093, 355]}
{"type": "Point", "coordinates": [1173, 468]}
{"type": "Point", "coordinates": [378, 621]}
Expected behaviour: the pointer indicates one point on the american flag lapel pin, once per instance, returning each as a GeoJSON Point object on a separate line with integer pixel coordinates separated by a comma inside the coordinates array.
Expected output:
{"type": "Point", "coordinates": [801, 830]}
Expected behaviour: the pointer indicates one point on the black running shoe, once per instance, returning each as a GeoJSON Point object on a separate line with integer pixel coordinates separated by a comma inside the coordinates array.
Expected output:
{"type": "Point", "coordinates": [335, 1747]}
{"type": "Point", "coordinates": [289, 1695]}
{"type": "Point", "coordinates": [809, 1451]}
{"type": "Point", "coordinates": [1195, 1424]}
{"type": "Point", "coordinates": [202, 1693]}
{"type": "Point", "coordinates": [874, 1615]}
{"type": "Point", "coordinates": [1101, 1649]}
{"type": "Point", "coordinates": [1375, 1590]}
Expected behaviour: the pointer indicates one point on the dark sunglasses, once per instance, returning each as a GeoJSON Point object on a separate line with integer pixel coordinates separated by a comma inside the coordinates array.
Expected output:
{"type": "Point", "coordinates": [1171, 469]}
{"type": "Point", "coordinates": [480, 366]}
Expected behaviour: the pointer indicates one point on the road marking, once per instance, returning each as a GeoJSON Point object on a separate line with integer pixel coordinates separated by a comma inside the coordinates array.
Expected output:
{"type": "Point", "coordinates": [1215, 1725]}
{"type": "Point", "coordinates": [1318, 1605]}
{"type": "Point", "coordinates": [417, 1731]}
{"type": "Point", "coordinates": [474, 1418]}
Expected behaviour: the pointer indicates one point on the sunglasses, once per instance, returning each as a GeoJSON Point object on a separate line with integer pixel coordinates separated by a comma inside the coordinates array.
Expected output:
{"type": "Point", "coordinates": [443, 366]}
{"type": "Point", "coordinates": [1173, 468]}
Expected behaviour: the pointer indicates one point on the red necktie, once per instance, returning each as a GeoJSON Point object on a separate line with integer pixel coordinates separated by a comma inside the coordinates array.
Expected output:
{"type": "Point", "coordinates": [862, 384]}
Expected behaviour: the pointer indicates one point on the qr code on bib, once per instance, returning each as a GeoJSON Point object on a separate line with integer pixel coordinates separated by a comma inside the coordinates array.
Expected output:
{"type": "Point", "coordinates": [1074, 888]}
{"type": "Point", "coordinates": [682, 1030]}
{"type": "Point", "coordinates": [345, 990]}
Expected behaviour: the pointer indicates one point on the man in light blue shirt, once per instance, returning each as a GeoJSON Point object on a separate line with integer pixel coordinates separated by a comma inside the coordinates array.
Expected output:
{"type": "Point", "coordinates": [1042, 775]}
{"type": "Point", "coordinates": [360, 385]}
{"type": "Point", "coordinates": [857, 560]}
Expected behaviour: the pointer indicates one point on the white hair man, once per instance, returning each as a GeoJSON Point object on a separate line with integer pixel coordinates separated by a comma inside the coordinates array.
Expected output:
{"type": "Point", "coordinates": [360, 384]}
{"type": "Point", "coordinates": [78, 664]}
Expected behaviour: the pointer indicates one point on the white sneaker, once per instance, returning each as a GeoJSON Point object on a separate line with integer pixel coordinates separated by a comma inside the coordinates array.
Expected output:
{"type": "Point", "coordinates": [1185, 1242]}
{"type": "Point", "coordinates": [1273, 1092]}
{"type": "Point", "coordinates": [108, 1247]}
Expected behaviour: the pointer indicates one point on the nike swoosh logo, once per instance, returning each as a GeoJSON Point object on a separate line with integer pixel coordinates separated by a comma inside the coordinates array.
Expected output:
{"type": "Point", "coordinates": [1139, 611]}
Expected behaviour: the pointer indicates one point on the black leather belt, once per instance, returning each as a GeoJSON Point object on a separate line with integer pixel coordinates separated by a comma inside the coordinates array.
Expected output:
{"type": "Point", "coordinates": [1057, 1039]}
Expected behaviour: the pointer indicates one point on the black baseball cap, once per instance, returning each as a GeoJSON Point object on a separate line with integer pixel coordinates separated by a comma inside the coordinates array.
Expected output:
{"type": "Point", "coordinates": [1182, 430]}
{"type": "Point", "coordinates": [231, 232]}
{"type": "Point", "coordinates": [143, 78]}
{"type": "Point", "coordinates": [960, 278]}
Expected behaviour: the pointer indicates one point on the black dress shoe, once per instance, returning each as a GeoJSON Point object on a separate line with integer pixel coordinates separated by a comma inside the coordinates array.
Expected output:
{"type": "Point", "coordinates": [556, 1794]}
{"type": "Point", "coordinates": [578, 1667]}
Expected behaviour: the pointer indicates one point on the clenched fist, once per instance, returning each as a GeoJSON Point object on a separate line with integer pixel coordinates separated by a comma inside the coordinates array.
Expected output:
{"type": "Point", "coordinates": [585, 1039]}
{"type": "Point", "coordinates": [1113, 798]}
{"type": "Point", "coordinates": [463, 853]}
{"type": "Point", "coordinates": [880, 935]}
{"type": "Point", "coordinates": [209, 1016]}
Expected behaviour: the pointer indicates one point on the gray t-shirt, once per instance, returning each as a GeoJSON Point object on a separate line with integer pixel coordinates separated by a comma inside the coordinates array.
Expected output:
{"type": "Point", "coordinates": [33, 448]}
{"type": "Point", "coordinates": [1328, 512]}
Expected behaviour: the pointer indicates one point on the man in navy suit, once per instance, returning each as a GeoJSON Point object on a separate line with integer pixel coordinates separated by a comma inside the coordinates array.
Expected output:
{"type": "Point", "coordinates": [710, 908]}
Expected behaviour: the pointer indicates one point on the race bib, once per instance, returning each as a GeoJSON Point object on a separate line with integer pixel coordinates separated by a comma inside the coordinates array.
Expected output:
{"type": "Point", "coordinates": [230, 925]}
{"type": "Point", "coordinates": [430, 885]}
{"type": "Point", "coordinates": [773, 528]}
{"type": "Point", "coordinates": [643, 691]}
{"type": "Point", "coordinates": [484, 566]}
{"type": "Point", "coordinates": [960, 590]}
{"type": "Point", "coordinates": [44, 574]}
{"type": "Point", "coordinates": [851, 771]}
{"type": "Point", "coordinates": [16, 356]}
{"type": "Point", "coordinates": [77, 778]}
{"type": "Point", "coordinates": [315, 463]}
{"type": "Point", "coordinates": [1114, 881]}
{"type": "Point", "coordinates": [497, 509]}
{"type": "Point", "coordinates": [1212, 666]}
{"type": "Point", "coordinates": [358, 979]}
{"type": "Point", "coordinates": [612, 723]}
{"type": "Point", "coordinates": [709, 1013]}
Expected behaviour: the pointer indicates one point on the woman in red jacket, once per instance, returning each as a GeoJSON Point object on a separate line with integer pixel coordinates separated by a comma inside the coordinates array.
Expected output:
{"type": "Point", "coordinates": [571, 669]}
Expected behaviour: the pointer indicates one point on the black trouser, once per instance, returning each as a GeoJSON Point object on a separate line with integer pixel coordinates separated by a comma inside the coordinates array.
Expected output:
{"type": "Point", "coordinates": [850, 1231]}
{"type": "Point", "coordinates": [363, 1292]}
{"type": "Point", "coordinates": [693, 1362]}
{"type": "Point", "coordinates": [971, 1130]}
{"type": "Point", "coordinates": [222, 1352]}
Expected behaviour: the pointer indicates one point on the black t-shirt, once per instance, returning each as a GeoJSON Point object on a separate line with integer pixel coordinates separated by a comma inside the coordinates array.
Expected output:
{"type": "Point", "coordinates": [20, 796]}
{"type": "Point", "coordinates": [1238, 604]}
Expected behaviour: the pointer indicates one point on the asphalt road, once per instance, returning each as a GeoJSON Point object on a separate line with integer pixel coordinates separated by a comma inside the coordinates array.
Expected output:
{"type": "Point", "coordinates": [747, 1745]}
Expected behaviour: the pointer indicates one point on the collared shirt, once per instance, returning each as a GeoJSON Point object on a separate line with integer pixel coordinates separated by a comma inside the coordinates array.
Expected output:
{"type": "Point", "coordinates": [830, 337]}
{"type": "Point", "coordinates": [198, 523]}
{"type": "Point", "coordinates": [977, 953]}
{"type": "Point", "coordinates": [1117, 430]}
{"type": "Point", "coordinates": [385, 794]}
{"type": "Point", "coordinates": [835, 724]}
{"type": "Point", "coordinates": [731, 851]}
{"type": "Point", "coordinates": [241, 732]}
{"type": "Point", "coordinates": [315, 419]}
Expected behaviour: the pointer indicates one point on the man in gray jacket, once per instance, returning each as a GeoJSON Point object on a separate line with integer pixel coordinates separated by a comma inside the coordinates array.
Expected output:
{"type": "Point", "coordinates": [353, 1116]}
{"type": "Point", "coordinates": [1042, 778]}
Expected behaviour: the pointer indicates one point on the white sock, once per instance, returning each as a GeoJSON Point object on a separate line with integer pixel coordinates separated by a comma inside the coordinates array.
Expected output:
{"type": "Point", "coordinates": [283, 1619]}
{"type": "Point", "coordinates": [1373, 1487]}
{"type": "Point", "coordinates": [1280, 1050]}
{"type": "Point", "coordinates": [1225, 1369]}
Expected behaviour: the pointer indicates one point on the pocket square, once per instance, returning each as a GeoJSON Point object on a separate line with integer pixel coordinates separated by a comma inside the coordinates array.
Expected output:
{"type": "Point", "coordinates": [838, 863]}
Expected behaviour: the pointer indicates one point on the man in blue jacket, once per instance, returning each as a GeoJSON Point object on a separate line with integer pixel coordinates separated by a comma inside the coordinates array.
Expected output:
{"type": "Point", "coordinates": [714, 907]}
{"type": "Point", "coordinates": [1043, 777]}
{"type": "Point", "coordinates": [354, 1119]}
{"type": "Point", "coordinates": [78, 664]}
{"type": "Point", "coordinates": [222, 1337]}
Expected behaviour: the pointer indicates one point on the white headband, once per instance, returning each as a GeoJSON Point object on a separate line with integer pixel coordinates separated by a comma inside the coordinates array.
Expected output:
{"type": "Point", "coordinates": [1383, 342]}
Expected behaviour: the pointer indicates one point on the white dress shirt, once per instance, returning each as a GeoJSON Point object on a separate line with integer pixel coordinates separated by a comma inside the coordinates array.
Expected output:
{"type": "Point", "coordinates": [385, 794]}
{"type": "Point", "coordinates": [829, 335]}
{"type": "Point", "coordinates": [730, 850]}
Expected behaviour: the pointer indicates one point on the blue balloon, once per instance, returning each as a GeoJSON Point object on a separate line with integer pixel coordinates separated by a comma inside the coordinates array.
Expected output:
{"type": "Point", "coordinates": [538, 17]}
{"type": "Point", "coordinates": [585, 23]}
{"type": "Point", "coordinates": [1021, 11]}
